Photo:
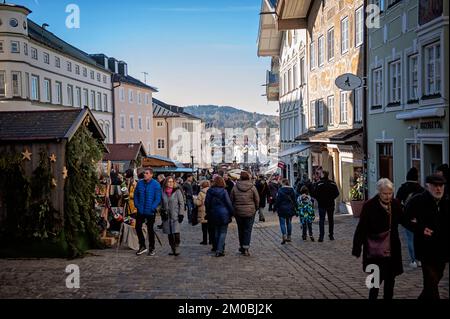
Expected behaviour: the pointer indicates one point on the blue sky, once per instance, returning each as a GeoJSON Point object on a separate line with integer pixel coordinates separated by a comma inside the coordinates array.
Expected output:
{"type": "Point", "coordinates": [196, 52]}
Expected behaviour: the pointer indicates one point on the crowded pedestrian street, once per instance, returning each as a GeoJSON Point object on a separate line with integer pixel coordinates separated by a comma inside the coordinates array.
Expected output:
{"type": "Point", "coordinates": [299, 269]}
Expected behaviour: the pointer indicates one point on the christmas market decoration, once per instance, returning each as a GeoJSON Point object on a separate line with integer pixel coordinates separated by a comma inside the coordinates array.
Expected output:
{"type": "Point", "coordinates": [26, 155]}
{"type": "Point", "coordinates": [53, 158]}
{"type": "Point", "coordinates": [64, 172]}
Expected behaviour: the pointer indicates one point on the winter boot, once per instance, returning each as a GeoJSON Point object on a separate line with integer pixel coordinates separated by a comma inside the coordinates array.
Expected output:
{"type": "Point", "coordinates": [284, 240]}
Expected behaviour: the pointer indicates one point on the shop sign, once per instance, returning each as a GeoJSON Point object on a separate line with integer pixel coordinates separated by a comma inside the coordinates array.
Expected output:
{"type": "Point", "coordinates": [431, 125]}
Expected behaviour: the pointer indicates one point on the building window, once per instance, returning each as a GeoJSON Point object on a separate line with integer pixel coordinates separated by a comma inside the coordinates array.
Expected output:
{"type": "Point", "coordinates": [140, 123]}
{"type": "Point", "coordinates": [77, 69]}
{"type": "Point", "coordinates": [385, 161]}
{"type": "Point", "coordinates": [34, 53]}
{"type": "Point", "coordinates": [99, 101]}
{"type": "Point", "coordinates": [414, 156]}
{"type": "Point", "coordinates": [148, 123]}
{"type": "Point", "coordinates": [2, 84]}
{"type": "Point", "coordinates": [433, 69]}
{"type": "Point", "coordinates": [85, 97]}
{"type": "Point", "coordinates": [161, 144]}
{"type": "Point", "coordinates": [105, 103]}
{"type": "Point", "coordinates": [104, 79]}
{"type": "Point", "coordinates": [1, 46]}
{"type": "Point", "coordinates": [358, 112]}
{"type": "Point", "coordinates": [159, 124]}
{"type": "Point", "coordinates": [320, 113]}
{"type": "Point", "coordinates": [312, 110]}
{"type": "Point", "coordinates": [99, 77]}
{"type": "Point", "coordinates": [312, 56]}
{"type": "Point", "coordinates": [46, 58]}
{"type": "Point", "coordinates": [13, 23]}
{"type": "Point", "coordinates": [295, 75]}
{"type": "Point", "coordinates": [395, 74]}
{"type": "Point", "coordinates": [344, 101]}
{"type": "Point", "coordinates": [27, 84]}
{"type": "Point", "coordinates": [34, 87]}
{"type": "Point", "coordinates": [130, 96]}
{"type": "Point", "coordinates": [302, 71]}
{"type": "Point", "coordinates": [57, 62]}
{"type": "Point", "coordinates": [139, 98]}
{"type": "Point", "coordinates": [47, 90]}
{"type": "Point", "coordinates": [92, 75]}
{"type": "Point", "coordinates": [78, 96]}
{"type": "Point", "coordinates": [107, 132]}
{"type": "Point", "coordinates": [131, 123]}
{"type": "Point", "coordinates": [15, 47]}
{"type": "Point", "coordinates": [85, 72]}
{"type": "Point", "coordinates": [289, 80]}
{"type": "Point", "coordinates": [93, 104]}
{"type": "Point", "coordinates": [413, 80]}
{"type": "Point", "coordinates": [188, 127]}
{"type": "Point", "coordinates": [70, 94]}
{"type": "Point", "coordinates": [16, 83]}
{"type": "Point", "coordinates": [344, 35]}
{"type": "Point", "coordinates": [321, 49]}
{"type": "Point", "coordinates": [330, 106]}
{"type": "Point", "coordinates": [330, 47]}
{"type": "Point", "coordinates": [359, 26]}
{"type": "Point", "coordinates": [122, 94]}
{"type": "Point", "coordinates": [377, 87]}
{"type": "Point", "coordinates": [58, 92]}
{"type": "Point", "coordinates": [122, 122]}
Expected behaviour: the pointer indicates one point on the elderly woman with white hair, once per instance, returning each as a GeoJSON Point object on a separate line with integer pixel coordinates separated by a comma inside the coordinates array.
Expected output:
{"type": "Point", "coordinates": [377, 234]}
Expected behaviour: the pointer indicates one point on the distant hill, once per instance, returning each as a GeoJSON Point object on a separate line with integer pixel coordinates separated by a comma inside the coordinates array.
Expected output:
{"type": "Point", "coordinates": [227, 116]}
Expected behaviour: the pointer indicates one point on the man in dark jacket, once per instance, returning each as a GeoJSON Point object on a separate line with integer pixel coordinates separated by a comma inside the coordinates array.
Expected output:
{"type": "Point", "coordinates": [189, 195]}
{"type": "Point", "coordinates": [326, 192]}
{"type": "Point", "coordinates": [427, 216]}
{"type": "Point", "coordinates": [263, 191]}
{"type": "Point", "coordinates": [406, 191]}
{"type": "Point", "coordinates": [229, 183]}
{"type": "Point", "coordinates": [147, 197]}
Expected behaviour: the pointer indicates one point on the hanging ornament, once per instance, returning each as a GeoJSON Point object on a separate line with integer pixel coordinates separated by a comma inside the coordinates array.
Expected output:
{"type": "Point", "coordinates": [64, 172]}
{"type": "Point", "coordinates": [87, 120]}
{"type": "Point", "coordinates": [54, 183]}
{"type": "Point", "coordinates": [53, 158]}
{"type": "Point", "coordinates": [26, 155]}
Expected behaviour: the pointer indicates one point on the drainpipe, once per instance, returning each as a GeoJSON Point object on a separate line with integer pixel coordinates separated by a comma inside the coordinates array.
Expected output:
{"type": "Point", "coordinates": [167, 135]}
{"type": "Point", "coordinates": [114, 108]}
{"type": "Point", "coordinates": [365, 148]}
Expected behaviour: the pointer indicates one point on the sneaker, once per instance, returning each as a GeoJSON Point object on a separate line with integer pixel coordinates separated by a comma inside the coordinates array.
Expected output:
{"type": "Point", "coordinates": [220, 254]}
{"type": "Point", "coordinates": [413, 264]}
{"type": "Point", "coordinates": [312, 238]}
{"type": "Point", "coordinates": [141, 251]}
{"type": "Point", "coordinates": [151, 253]}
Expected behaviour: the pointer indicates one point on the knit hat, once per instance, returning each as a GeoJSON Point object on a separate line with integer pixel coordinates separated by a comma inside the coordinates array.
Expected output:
{"type": "Point", "coordinates": [413, 174]}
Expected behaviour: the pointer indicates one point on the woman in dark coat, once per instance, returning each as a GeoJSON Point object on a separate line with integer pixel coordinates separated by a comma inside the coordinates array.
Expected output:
{"type": "Point", "coordinates": [376, 216]}
{"type": "Point", "coordinates": [219, 211]}
{"type": "Point", "coordinates": [274, 186]}
{"type": "Point", "coordinates": [286, 207]}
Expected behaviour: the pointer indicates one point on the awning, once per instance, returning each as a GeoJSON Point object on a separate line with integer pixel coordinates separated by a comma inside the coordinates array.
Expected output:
{"type": "Point", "coordinates": [172, 170]}
{"type": "Point", "coordinates": [330, 136]}
{"type": "Point", "coordinates": [421, 113]}
{"type": "Point", "coordinates": [294, 150]}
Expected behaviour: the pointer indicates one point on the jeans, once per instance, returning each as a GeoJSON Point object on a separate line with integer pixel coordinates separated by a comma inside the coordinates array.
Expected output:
{"type": "Point", "coordinates": [221, 234]}
{"type": "Point", "coordinates": [286, 225]}
{"type": "Point", "coordinates": [328, 211]}
{"type": "Point", "coordinates": [432, 274]}
{"type": "Point", "coordinates": [307, 226]}
{"type": "Point", "coordinates": [245, 226]}
{"type": "Point", "coordinates": [410, 240]}
{"type": "Point", "coordinates": [140, 219]}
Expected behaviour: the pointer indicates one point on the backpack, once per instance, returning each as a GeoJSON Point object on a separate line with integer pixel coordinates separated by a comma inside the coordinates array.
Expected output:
{"type": "Point", "coordinates": [305, 208]}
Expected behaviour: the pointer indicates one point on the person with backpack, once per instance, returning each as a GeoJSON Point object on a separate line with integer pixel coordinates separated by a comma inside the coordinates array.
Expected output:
{"type": "Point", "coordinates": [406, 191]}
{"type": "Point", "coordinates": [326, 192]}
{"type": "Point", "coordinates": [286, 207]}
{"type": "Point", "coordinates": [219, 210]}
{"type": "Point", "coordinates": [306, 212]}
{"type": "Point", "coordinates": [245, 199]}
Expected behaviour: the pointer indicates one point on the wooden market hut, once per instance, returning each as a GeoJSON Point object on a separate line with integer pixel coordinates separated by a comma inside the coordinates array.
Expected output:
{"type": "Point", "coordinates": [27, 135]}
{"type": "Point", "coordinates": [125, 156]}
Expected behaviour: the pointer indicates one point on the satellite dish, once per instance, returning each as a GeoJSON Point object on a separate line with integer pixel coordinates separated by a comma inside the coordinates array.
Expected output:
{"type": "Point", "coordinates": [348, 82]}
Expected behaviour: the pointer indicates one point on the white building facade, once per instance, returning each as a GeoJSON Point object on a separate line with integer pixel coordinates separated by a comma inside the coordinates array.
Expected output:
{"type": "Point", "coordinates": [40, 71]}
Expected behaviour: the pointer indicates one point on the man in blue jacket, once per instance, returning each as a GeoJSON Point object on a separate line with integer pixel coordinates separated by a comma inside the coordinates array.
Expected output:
{"type": "Point", "coordinates": [147, 197]}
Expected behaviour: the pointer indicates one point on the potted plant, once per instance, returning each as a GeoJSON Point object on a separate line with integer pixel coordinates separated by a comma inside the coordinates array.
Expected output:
{"type": "Point", "coordinates": [357, 196]}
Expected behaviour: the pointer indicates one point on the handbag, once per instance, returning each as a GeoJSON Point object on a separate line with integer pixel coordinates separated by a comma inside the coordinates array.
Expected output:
{"type": "Point", "coordinates": [379, 245]}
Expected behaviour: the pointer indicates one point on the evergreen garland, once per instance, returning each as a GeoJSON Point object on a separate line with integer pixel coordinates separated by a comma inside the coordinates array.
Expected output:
{"type": "Point", "coordinates": [83, 152]}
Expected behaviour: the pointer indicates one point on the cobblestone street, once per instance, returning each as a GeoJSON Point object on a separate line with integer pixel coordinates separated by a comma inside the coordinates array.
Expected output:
{"type": "Point", "coordinates": [295, 270]}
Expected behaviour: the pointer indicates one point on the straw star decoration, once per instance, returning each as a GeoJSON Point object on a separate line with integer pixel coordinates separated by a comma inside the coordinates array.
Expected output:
{"type": "Point", "coordinates": [53, 158]}
{"type": "Point", "coordinates": [26, 155]}
{"type": "Point", "coordinates": [64, 172]}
